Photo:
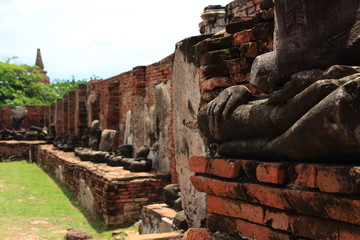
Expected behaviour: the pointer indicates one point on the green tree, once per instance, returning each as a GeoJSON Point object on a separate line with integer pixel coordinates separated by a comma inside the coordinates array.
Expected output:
{"type": "Point", "coordinates": [22, 85]}
{"type": "Point", "coordinates": [62, 87]}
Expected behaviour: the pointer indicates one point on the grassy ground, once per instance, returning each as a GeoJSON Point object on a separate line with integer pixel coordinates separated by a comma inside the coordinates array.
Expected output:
{"type": "Point", "coordinates": [34, 207]}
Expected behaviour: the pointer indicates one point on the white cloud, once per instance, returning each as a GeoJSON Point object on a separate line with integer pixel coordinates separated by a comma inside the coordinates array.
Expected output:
{"type": "Point", "coordinates": [85, 37]}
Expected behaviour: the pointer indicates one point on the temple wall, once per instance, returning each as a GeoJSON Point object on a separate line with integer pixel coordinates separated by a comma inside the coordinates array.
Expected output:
{"type": "Point", "coordinates": [159, 103]}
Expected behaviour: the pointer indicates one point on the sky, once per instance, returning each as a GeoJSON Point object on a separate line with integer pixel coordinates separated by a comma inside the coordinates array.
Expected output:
{"type": "Point", "coordinates": [87, 38]}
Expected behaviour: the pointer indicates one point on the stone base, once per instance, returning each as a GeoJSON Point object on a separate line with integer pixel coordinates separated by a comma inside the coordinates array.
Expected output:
{"type": "Point", "coordinates": [156, 218]}
{"type": "Point", "coordinates": [157, 236]}
{"type": "Point", "coordinates": [279, 200]}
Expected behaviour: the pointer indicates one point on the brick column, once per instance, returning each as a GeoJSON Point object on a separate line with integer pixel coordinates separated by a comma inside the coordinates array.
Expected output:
{"type": "Point", "coordinates": [80, 121]}
{"type": "Point", "coordinates": [65, 115]}
{"type": "Point", "coordinates": [58, 118]}
{"type": "Point", "coordinates": [71, 114]}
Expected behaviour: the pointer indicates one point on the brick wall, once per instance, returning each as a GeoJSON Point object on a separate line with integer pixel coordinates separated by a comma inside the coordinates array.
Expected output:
{"type": "Point", "coordinates": [279, 200]}
{"type": "Point", "coordinates": [225, 60]}
{"type": "Point", "coordinates": [35, 117]}
{"type": "Point", "coordinates": [19, 150]}
{"type": "Point", "coordinates": [5, 117]}
{"type": "Point", "coordinates": [241, 8]}
{"type": "Point", "coordinates": [71, 114]}
{"type": "Point", "coordinates": [80, 118]}
{"type": "Point", "coordinates": [58, 117]}
{"type": "Point", "coordinates": [111, 194]}
{"type": "Point", "coordinates": [110, 101]}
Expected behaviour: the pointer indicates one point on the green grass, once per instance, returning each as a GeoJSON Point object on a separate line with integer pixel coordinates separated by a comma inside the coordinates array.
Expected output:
{"type": "Point", "coordinates": [33, 206]}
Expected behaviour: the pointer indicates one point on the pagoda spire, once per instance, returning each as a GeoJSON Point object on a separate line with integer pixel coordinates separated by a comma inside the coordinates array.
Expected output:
{"type": "Point", "coordinates": [40, 64]}
{"type": "Point", "coordinates": [39, 61]}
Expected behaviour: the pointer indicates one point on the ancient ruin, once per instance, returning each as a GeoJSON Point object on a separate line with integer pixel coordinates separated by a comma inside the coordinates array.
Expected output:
{"type": "Point", "coordinates": [248, 131]}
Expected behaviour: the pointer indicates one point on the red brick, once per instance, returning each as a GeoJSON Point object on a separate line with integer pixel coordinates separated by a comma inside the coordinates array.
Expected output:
{"type": "Point", "coordinates": [314, 228]}
{"type": "Point", "coordinates": [249, 49]}
{"type": "Point", "coordinates": [210, 84]}
{"type": "Point", "coordinates": [258, 232]}
{"type": "Point", "coordinates": [214, 70]}
{"type": "Point", "coordinates": [239, 65]}
{"type": "Point", "coordinates": [277, 220]}
{"type": "Point", "coordinates": [272, 172]}
{"type": "Point", "coordinates": [198, 164]}
{"type": "Point", "coordinates": [224, 168]}
{"type": "Point", "coordinates": [243, 37]}
{"type": "Point", "coordinates": [198, 234]}
{"type": "Point", "coordinates": [240, 77]}
{"type": "Point", "coordinates": [303, 202]}
{"type": "Point", "coordinates": [218, 187]}
{"type": "Point", "coordinates": [306, 175]}
{"type": "Point", "coordinates": [323, 205]}
{"type": "Point", "coordinates": [228, 224]}
{"type": "Point", "coordinates": [235, 208]}
{"type": "Point", "coordinates": [339, 179]}
{"type": "Point", "coordinates": [208, 96]}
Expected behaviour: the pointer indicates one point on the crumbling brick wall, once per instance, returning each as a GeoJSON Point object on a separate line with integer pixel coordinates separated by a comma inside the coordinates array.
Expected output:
{"type": "Point", "coordinates": [279, 200]}
{"type": "Point", "coordinates": [34, 117]}
{"type": "Point", "coordinates": [111, 194]}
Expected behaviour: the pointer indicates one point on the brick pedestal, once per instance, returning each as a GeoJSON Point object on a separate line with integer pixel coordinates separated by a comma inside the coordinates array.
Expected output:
{"type": "Point", "coordinates": [279, 200]}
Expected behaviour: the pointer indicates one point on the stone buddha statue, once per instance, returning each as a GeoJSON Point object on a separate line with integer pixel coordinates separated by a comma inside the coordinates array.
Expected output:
{"type": "Point", "coordinates": [312, 82]}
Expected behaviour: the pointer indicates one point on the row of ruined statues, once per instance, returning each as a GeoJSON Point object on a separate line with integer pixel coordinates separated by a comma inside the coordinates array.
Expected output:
{"type": "Point", "coordinates": [310, 106]}
{"type": "Point", "coordinates": [97, 145]}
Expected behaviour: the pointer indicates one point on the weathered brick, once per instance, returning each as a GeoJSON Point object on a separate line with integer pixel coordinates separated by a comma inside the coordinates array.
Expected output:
{"type": "Point", "coordinates": [272, 172]}
{"type": "Point", "coordinates": [255, 231]}
{"type": "Point", "coordinates": [224, 168]}
{"type": "Point", "coordinates": [235, 208]}
{"type": "Point", "coordinates": [228, 224]}
{"type": "Point", "coordinates": [249, 49]}
{"type": "Point", "coordinates": [198, 164]}
{"type": "Point", "coordinates": [198, 234]}
{"type": "Point", "coordinates": [306, 175]}
{"type": "Point", "coordinates": [339, 179]}
{"type": "Point", "coordinates": [215, 56]}
{"type": "Point", "coordinates": [263, 30]}
{"type": "Point", "coordinates": [277, 220]}
{"type": "Point", "coordinates": [214, 70]}
{"type": "Point", "coordinates": [303, 202]}
{"type": "Point", "coordinates": [243, 37]}
{"type": "Point", "coordinates": [210, 84]}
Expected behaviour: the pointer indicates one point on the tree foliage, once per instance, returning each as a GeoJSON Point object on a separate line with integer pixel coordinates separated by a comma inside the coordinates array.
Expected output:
{"type": "Point", "coordinates": [22, 85]}
{"type": "Point", "coordinates": [62, 87]}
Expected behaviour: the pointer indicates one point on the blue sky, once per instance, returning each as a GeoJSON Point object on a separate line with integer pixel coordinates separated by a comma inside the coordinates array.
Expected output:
{"type": "Point", "coordinates": [82, 38]}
